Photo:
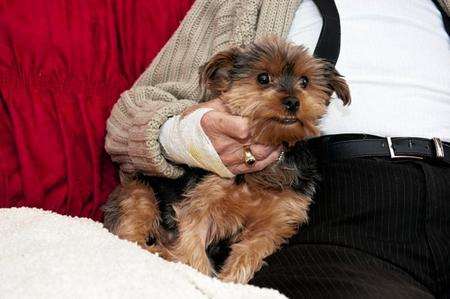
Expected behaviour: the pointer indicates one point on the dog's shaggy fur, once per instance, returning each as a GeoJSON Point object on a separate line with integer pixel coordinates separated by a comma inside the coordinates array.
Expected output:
{"type": "Point", "coordinates": [283, 91]}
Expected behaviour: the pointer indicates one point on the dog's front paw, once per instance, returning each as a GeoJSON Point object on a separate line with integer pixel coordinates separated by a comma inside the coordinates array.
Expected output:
{"type": "Point", "coordinates": [238, 270]}
{"type": "Point", "coordinates": [161, 251]}
{"type": "Point", "coordinates": [239, 275]}
{"type": "Point", "coordinates": [198, 261]}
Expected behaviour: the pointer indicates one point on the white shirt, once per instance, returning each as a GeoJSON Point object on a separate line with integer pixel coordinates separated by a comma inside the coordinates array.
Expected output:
{"type": "Point", "coordinates": [395, 56]}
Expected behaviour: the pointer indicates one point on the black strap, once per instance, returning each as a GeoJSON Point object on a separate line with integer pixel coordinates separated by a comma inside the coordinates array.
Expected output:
{"type": "Point", "coordinates": [445, 17]}
{"type": "Point", "coordinates": [329, 43]}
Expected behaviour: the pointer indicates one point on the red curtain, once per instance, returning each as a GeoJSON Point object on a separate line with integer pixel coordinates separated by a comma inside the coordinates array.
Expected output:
{"type": "Point", "coordinates": [63, 64]}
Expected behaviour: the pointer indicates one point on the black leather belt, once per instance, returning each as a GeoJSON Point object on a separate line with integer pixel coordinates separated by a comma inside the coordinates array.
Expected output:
{"type": "Point", "coordinates": [348, 146]}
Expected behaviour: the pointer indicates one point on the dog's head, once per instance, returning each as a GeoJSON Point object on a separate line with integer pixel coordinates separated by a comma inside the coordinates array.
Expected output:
{"type": "Point", "coordinates": [282, 89]}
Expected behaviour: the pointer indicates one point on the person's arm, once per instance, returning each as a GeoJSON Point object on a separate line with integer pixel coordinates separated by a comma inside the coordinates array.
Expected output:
{"type": "Point", "coordinates": [207, 136]}
{"type": "Point", "coordinates": [165, 89]}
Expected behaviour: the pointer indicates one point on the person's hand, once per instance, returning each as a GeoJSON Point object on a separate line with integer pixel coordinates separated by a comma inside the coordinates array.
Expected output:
{"type": "Point", "coordinates": [229, 134]}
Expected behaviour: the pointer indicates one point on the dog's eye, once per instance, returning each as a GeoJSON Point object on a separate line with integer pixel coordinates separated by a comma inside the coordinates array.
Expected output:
{"type": "Point", "coordinates": [304, 81]}
{"type": "Point", "coordinates": [263, 78]}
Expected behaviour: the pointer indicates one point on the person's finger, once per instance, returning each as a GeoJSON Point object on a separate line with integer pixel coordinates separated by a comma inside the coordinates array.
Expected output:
{"type": "Point", "coordinates": [232, 157]}
{"type": "Point", "coordinates": [236, 157]}
{"type": "Point", "coordinates": [259, 165]}
{"type": "Point", "coordinates": [233, 126]}
{"type": "Point", "coordinates": [261, 151]}
{"type": "Point", "coordinates": [230, 125]}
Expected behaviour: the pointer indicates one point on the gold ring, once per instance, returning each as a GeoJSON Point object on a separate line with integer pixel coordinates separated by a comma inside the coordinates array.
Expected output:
{"type": "Point", "coordinates": [249, 159]}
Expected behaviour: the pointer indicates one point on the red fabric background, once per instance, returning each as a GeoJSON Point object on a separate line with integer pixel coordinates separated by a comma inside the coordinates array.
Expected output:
{"type": "Point", "coordinates": [63, 64]}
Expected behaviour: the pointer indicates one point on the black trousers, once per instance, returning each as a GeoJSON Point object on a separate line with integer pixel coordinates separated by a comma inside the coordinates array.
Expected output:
{"type": "Point", "coordinates": [377, 229]}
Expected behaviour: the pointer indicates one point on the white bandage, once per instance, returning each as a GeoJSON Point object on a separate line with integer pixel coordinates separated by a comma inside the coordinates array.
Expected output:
{"type": "Point", "coordinates": [185, 142]}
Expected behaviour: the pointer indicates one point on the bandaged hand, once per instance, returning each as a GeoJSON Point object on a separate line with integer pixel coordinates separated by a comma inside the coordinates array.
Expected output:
{"type": "Point", "coordinates": [207, 136]}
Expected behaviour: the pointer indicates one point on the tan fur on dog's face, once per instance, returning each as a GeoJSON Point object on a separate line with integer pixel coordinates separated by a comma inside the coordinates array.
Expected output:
{"type": "Point", "coordinates": [265, 80]}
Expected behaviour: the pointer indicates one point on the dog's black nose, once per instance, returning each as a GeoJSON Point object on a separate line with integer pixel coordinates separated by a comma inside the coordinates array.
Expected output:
{"type": "Point", "coordinates": [291, 104]}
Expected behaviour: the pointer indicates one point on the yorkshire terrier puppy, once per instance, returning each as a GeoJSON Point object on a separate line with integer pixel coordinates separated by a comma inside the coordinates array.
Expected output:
{"type": "Point", "coordinates": [283, 91]}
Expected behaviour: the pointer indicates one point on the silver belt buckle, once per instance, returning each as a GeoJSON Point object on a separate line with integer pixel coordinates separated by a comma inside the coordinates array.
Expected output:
{"type": "Point", "coordinates": [439, 148]}
{"type": "Point", "coordinates": [394, 156]}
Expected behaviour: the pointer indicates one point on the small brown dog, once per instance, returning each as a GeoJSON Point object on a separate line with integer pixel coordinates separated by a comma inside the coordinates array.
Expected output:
{"type": "Point", "coordinates": [283, 91]}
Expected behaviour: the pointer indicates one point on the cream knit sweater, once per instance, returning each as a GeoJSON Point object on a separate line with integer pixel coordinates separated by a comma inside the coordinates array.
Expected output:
{"type": "Point", "coordinates": [170, 84]}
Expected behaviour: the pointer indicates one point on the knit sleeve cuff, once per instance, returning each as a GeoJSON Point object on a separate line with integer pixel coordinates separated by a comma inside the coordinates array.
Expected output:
{"type": "Point", "coordinates": [143, 146]}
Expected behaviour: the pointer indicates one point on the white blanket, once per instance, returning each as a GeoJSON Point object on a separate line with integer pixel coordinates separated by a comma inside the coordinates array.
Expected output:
{"type": "Point", "coordinates": [46, 255]}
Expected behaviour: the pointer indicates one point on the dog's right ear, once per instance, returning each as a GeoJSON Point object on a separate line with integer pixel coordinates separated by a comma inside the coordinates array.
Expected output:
{"type": "Point", "coordinates": [339, 85]}
{"type": "Point", "coordinates": [336, 82]}
{"type": "Point", "coordinates": [215, 74]}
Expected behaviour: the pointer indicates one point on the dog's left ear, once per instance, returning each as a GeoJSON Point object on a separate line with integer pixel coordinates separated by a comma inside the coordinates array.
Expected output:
{"type": "Point", "coordinates": [338, 84]}
{"type": "Point", "coordinates": [215, 74]}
